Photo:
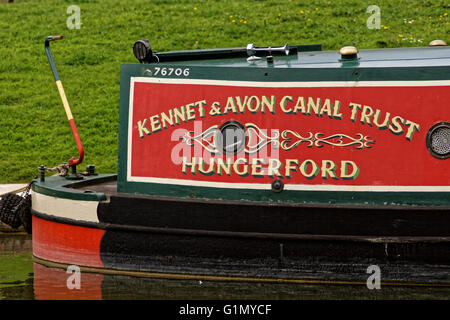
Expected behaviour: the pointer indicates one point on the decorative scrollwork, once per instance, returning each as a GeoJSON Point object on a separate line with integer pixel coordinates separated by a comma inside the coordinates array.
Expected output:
{"type": "Point", "coordinates": [285, 145]}
{"type": "Point", "coordinates": [203, 139]}
{"type": "Point", "coordinates": [361, 142]}
{"type": "Point", "coordinates": [258, 139]}
{"type": "Point", "coordinates": [337, 140]}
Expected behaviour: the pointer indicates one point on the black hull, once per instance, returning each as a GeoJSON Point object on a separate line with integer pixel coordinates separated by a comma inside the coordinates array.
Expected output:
{"type": "Point", "coordinates": [240, 238]}
{"type": "Point", "coordinates": [254, 239]}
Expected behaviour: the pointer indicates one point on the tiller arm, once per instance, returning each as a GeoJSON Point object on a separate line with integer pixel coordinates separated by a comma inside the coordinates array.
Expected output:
{"type": "Point", "coordinates": [73, 162]}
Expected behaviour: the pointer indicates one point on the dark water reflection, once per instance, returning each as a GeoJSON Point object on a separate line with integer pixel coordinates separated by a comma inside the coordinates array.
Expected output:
{"type": "Point", "coordinates": [23, 279]}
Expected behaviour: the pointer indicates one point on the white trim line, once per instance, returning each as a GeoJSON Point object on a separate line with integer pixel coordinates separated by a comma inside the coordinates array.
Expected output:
{"type": "Point", "coordinates": [291, 187]}
{"type": "Point", "coordinates": [300, 84]}
{"type": "Point", "coordinates": [130, 128]}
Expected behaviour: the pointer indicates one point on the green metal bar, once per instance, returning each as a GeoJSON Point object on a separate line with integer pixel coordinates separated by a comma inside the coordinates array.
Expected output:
{"type": "Point", "coordinates": [225, 53]}
{"type": "Point", "coordinates": [49, 54]}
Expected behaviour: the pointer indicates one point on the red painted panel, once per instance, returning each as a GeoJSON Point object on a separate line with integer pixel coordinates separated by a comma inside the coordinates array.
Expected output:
{"type": "Point", "coordinates": [67, 243]}
{"type": "Point", "coordinates": [393, 155]}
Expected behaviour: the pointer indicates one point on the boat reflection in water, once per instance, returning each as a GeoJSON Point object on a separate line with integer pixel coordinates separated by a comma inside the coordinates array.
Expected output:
{"type": "Point", "coordinates": [52, 284]}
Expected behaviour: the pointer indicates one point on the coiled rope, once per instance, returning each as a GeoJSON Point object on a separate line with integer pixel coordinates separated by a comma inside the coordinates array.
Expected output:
{"type": "Point", "coordinates": [63, 169]}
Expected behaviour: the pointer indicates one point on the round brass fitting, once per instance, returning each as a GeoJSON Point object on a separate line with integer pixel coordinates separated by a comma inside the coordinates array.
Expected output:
{"type": "Point", "coordinates": [348, 50]}
{"type": "Point", "coordinates": [436, 43]}
{"type": "Point", "coordinates": [348, 53]}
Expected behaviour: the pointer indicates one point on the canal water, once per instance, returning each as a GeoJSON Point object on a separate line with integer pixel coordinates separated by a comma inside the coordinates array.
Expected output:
{"type": "Point", "coordinates": [23, 279]}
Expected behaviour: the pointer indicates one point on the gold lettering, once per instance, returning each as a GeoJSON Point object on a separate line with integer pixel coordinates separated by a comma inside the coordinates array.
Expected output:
{"type": "Point", "coordinates": [355, 107]}
{"type": "Point", "coordinates": [291, 164]}
{"type": "Point", "coordinates": [167, 119]}
{"type": "Point", "coordinates": [231, 106]}
{"type": "Point", "coordinates": [222, 166]}
{"type": "Point", "coordinates": [274, 168]}
{"type": "Point", "coordinates": [376, 119]}
{"type": "Point", "coordinates": [241, 104]}
{"type": "Point", "coordinates": [328, 168]}
{"type": "Point", "coordinates": [250, 107]}
{"type": "Point", "coordinates": [269, 104]}
{"type": "Point", "coordinates": [412, 128]}
{"type": "Point", "coordinates": [142, 129]}
{"type": "Point", "coordinates": [190, 111]}
{"type": "Point", "coordinates": [201, 107]}
{"type": "Point", "coordinates": [395, 127]}
{"type": "Point", "coordinates": [366, 114]}
{"type": "Point", "coordinates": [257, 167]}
{"type": "Point", "coordinates": [326, 108]}
{"type": "Point", "coordinates": [300, 105]}
{"type": "Point", "coordinates": [313, 105]}
{"type": "Point", "coordinates": [179, 114]}
{"type": "Point", "coordinates": [215, 109]}
{"type": "Point", "coordinates": [344, 170]}
{"type": "Point", "coordinates": [283, 103]}
{"type": "Point", "coordinates": [315, 169]}
{"type": "Point", "coordinates": [192, 164]}
{"type": "Point", "coordinates": [337, 110]}
{"type": "Point", "coordinates": [154, 123]}
{"type": "Point", "coordinates": [244, 171]}
{"type": "Point", "coordinates": [201, 167]}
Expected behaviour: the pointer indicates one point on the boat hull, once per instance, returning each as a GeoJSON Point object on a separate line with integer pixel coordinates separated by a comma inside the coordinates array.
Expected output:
{"type": "Point", "coordinates": [231, 238]}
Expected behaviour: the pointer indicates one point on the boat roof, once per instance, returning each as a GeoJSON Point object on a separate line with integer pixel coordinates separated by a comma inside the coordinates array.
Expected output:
{"type": "Point", "coordinates": [311, 56]}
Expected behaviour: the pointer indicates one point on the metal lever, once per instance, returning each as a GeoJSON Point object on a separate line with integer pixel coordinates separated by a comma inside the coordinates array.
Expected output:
{"type": "Point", "coordinates": [73, 162]}
{"type": "Point", "coordinates": [252, 50]}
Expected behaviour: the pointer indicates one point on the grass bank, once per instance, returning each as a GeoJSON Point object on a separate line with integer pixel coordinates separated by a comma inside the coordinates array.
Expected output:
{"type": "Point", "coordinates": [33, 126]}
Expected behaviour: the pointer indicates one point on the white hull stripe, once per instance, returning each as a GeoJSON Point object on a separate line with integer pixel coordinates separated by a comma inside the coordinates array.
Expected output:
{"type": "Point", "coordinates": [65, 208]}
{"type": "Point", "coordinates": [291, 187]}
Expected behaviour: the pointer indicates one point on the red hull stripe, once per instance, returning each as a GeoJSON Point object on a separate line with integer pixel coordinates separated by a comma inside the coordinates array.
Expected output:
{"type": "Point", "coordinates": [67, 243]}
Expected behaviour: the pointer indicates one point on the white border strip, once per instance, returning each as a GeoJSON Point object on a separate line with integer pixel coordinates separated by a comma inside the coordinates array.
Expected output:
{"type": "Point", "coordinates": [265, 186]}
{"type": "Point", "coordinates": [130, 128]}
{"type": "Point", "coordinates": [299, 84]}
{"type": "Point", "coordinates": [291, 187]}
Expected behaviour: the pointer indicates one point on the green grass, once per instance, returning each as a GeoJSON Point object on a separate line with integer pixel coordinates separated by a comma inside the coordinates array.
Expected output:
{"type": "Point", "coordinates": [33, 125]}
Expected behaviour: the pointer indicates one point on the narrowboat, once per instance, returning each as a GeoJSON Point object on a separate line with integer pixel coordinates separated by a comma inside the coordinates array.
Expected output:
{"type": "Point", "coordinates": [252, 162]}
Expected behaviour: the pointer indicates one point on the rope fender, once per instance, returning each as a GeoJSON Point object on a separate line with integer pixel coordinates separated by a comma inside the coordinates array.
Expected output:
{"type": "Point", "coordinates": [15, 210]}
